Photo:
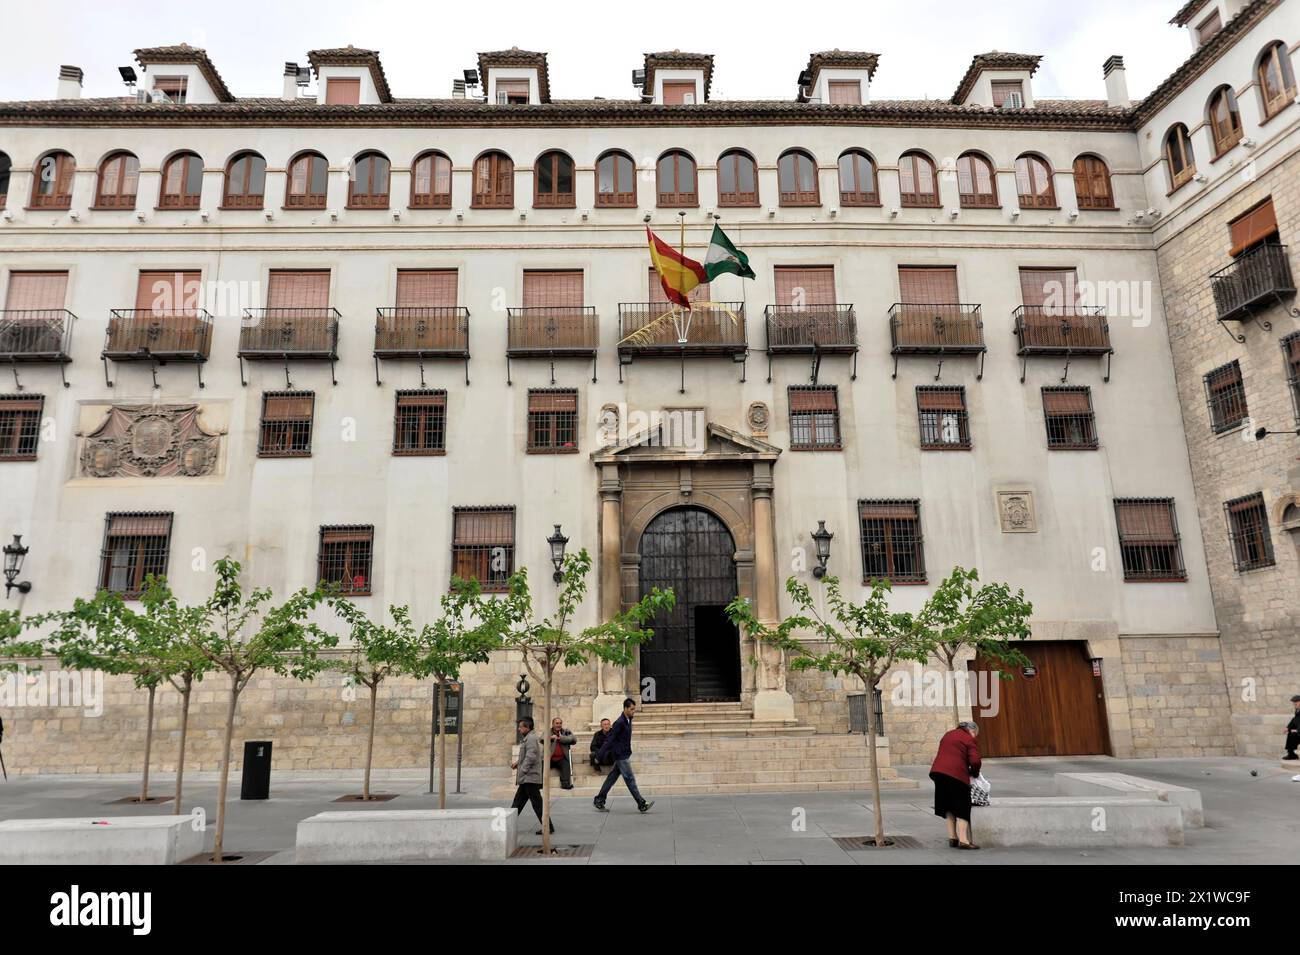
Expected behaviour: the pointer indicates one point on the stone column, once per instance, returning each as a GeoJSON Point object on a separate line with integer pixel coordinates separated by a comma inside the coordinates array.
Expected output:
{"type": "Point", "coordinates": [611, 680]}
{"type": "Point", "coordinates": [772, 701]}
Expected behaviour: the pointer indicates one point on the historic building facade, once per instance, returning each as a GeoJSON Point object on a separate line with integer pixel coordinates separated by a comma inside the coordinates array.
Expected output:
{"type": "Point", "coordinates": [381, 341]}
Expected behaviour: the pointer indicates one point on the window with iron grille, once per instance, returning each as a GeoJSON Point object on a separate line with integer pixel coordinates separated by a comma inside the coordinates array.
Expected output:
{"type": "Point", "coordinates": [1291, 353]}
{"type": "Point", "coordinates": [1226, 395]}
{"type": "Point", "coordinates": [136, 545]}
{"type": "Point", "coordinates": [891, 541]}
{"type": "Point", "coordinates": [483, 545]}
{"type": "Point", "coordinates": [344, 556]}
{"type": "Point", "coordinates": [1252, 546]}
{"type": "Point", "coordinates": [20, 426]}
{"type": "Point", "coordinates": [1071, 424]}
{"type": "Point", "coordinates": [1148, 539]}
{"type": "Point", "coordinates": [552, 421]}
{"type": "Point", "coordinates": [420, 423]}
{"type": "Point", "coordinates": [286, 424]}
{"type": "Point", "coordinates": [942, 410]}
{"type": "Point", "coordinates": [814, 419]}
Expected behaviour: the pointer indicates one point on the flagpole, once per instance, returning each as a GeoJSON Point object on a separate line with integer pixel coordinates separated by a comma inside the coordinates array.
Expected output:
{"type": "Point", "coordinates": [681, 218]}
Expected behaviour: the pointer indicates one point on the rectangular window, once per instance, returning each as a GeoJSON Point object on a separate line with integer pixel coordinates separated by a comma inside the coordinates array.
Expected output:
{"type": "Point", "coordinates": [168, 292]}
{"type": "Point", "coordinates": [926, 285]}
{"type": "Point", "coordinates": [891, 541]}
{"type": "Point", "coordinates": [343, 558]}
{"type": "Point", "coordinates": [286, 424]}
{"type": "Point", "coordinates": [1071, 425]}
{"type": "Point", "coordinates": [36, 291]}
{"type": "Point", "coordinates": [552, 421]}
{"type": "Point", "coordinates": [1226, 395]}
{"type": "Point", "coordinates": [135, 546]}
{"type": "Point", "coordinates": [1004, 90]}
{"type": "Point", "coordinates": [552, 289]}
{"type": "Point", "coordinates": [426, 288]}
{"type": "Point", "coordinates": [420, 423]}
{"type": "Point", "coordinates": [512, 92]}
{"type": "Point", "coordinates": [483, 545]}
{"type": "Point", "coordinates": [942, 410]}
{"type": "Point", "coordinates": [679, 93]}
{"type": "Point", "coordinates": [1252, 228]}
{"type": "Point", "coordinates": [1208, 27]}
{"type": "Point", "coordinates": [1051, 292]}
{"type": "Point", "coordinates": [801, 286]}
{"type": "Point", "coordinates": [1148, 539]}
{"type": "Point", "coordinates": [343, 92]}
{"type": "Point", "coordinates": [298, 289]}
{"type": "Point", "coordinates": [814, 419]}
{"type": "Point", "coordinates": [20, 426]}
{"type": "Point", "coordinates": [1252, 546]}
{"type": "Point", "coordinates": [173, 87]}
{"type": "Point", "coordinates": [1291, 354]}
{"type": "Point", "coordinates": [847, 92]}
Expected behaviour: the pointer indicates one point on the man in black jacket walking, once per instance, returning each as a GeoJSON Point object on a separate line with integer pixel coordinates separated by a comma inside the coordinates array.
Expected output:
{"type": "Point", "coordinates": [618, 749]}
{"type": "Point", "coordinates": [1293, 730]}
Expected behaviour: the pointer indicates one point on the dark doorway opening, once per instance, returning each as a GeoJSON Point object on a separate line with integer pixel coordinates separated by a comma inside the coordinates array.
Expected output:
{"type": "Point", "coordinates": [717, 655]}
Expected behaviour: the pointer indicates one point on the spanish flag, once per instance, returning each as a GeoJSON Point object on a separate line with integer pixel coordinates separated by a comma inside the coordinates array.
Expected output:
{"type": "Point", "coordinates": [677, 274]}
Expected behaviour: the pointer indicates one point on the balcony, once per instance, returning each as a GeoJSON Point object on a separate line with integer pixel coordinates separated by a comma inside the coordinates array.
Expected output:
{"type": "Point", "coordinates": [36, 336]}
{"type": "Point", "coordinates": [289, 334]}
{"type": "Point", "coordinates": [158, 336]}
{"type": "Point", "coordinates": [422, 333]}
{"type": "Point", "coordinates": [715, 328]}
{"type": "Point", "coordinates": [552, 331]}
{"type": "Point", "coordinates": [811, 330]}
{"type": "Point", "coordinates": [1062, 331]}
{"type": "Point", "coordinates": [1257, 280]}
{"type": "Point", "coordinates": [937, 330]}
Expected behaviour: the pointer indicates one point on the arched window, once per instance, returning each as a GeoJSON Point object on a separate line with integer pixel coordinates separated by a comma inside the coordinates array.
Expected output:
{"type": "Point", "coordinates": [368, 184]}
{"type": "Point", "coordinates": [553, 181]}
{"type": "Point", "coordinates": [796, 177]}
{"type": "Point", "coordinates": [494, 181]}
{"type": "Point", "coordinates": [615, 180]}
{"type": "Point", "coordinates": [182, 182]}
{"type": "Point", "coordinates": [431, 181]}
{"type": "Point", "coordinates": [1224, 119]}
{"type": "Point", "coordinates": [858, 186]}
{"type": "Point", "coordinates": [1034, 187]}
{"type": "Point", "coordinates": [917, 184]}
{"type": "Point", "coordinates": [5, 166]}
{"type": "Point", "coordinates": [119, 176]}
{"type": "Point", "coordinates": [676, 177]}
{"type": "Point", "coordinates": [977, 185]}
{"type": "Point", "coordinates": [1092, 183]}
{"type": "Point", "coordinates": [1178, 153]}
{"type": "Point", "coordinates": [737, 179]}
{"type": "Point", "coordinates": [245, 182]}
{"type": "Point", "coordinates": [52, 183]}
{"type": "Point", "coordinates": [308, 182]}
{"type": "Point", "coordinates": [1275, 78]}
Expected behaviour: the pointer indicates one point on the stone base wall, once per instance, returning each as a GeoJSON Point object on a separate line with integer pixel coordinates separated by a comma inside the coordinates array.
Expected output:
{"type": "Point", "coordinates": [1178, 701]}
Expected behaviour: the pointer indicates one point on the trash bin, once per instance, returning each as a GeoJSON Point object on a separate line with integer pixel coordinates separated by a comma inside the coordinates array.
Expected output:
{"type": "Point", "coordinates": [256, 780]}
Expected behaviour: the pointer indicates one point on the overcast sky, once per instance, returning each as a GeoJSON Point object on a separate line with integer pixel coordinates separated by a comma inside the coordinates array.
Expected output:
{"type": "Point", "coordinates": [759, 46]}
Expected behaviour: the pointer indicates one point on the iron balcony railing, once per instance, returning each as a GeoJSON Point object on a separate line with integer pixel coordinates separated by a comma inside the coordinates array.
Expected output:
{"type": "Point", "coordinates": [810, 328]}
{"type": "Point", "coordinates": [552, 331]}
{"type": "Point", "coordinates": [147, 334]}
{"type": "Point", "coordinates": [1061, 330]}
{"type": "Point", "coordinates": [1261, 274]}
{"type": "Point", "coordinates": [714, 330]}
{"type": "Point", "coordinates": [433, 331]}
{"type": "Point", "coordinates": [289, 333]}
{"type": "Point", "coordinates": [953, 328]}
{"type": "Point", "coordinates": [36, 335]}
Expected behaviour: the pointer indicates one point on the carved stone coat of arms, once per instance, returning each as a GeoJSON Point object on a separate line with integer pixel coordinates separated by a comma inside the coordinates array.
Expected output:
{"type": "Point", "coordinates": [150, 441]}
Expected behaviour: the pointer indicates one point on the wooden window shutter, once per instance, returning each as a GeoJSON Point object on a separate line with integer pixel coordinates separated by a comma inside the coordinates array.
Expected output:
{"type": "Point", "coordinates": [36, 290]}
{"type": "Point", "coordinates": [928, 286]}
{"type": "Point", "coordinates": [1253, 227]}
{"type": "Point", "coordinates": [1004, 88]}
{"type": "Point", "coordinates": [1038, 285]}
{"type": "Point", "coordinates": [422, 399]}
{"type": "Point", "coordinates": [287, 407]}
{"type": "Point", "coordinates": [940, 399]}
{"type": "Point", "coordinates": [1145, 520]}
{"type": "Point", "coordinates": [813, 401]}
{"type": "Point", "coordinates": [484, 527]}
{"type": "Point", "coordinates": [887, 510]}
{"type": "Point", "coordinates": [298, 290]}
{"type": "Point", "coordinates": [846, 92]}
{"type": "Point", "coordinates": [8, 403]}
{"type": "Point", "coordinates": [542, 401]}
{"type": "Point", "coordinates": [679, 93]}
{"type": "Point", "coordinates": [555, 289]}
{"type": "Point", "coordinates": [361, 534]}
{"type": "Point", "coordinates": [426, 288]}
{"type": "Point", "coordinates": [809, 285]}
{"type": "Point", "coordinates": [139, 525]}
{"type": "Point", "coordinates": [1075, 401]}
{"type": "Point", "coordinates": [342, 92]}
{"type": "Point", "coordinates": [168, 291]}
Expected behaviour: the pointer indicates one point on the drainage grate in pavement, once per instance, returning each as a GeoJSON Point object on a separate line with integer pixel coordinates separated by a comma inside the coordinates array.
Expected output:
{"type": "Point", "coordinates": [557, 852]}
{"type": "Point", "coordinates": [151, 801]}
{"type": "Point", "coordinates": [230, 858]}
{"type": "Point", "coordinates": [865, 843]}
{"type": "Point", "coordinates": [374, 797]}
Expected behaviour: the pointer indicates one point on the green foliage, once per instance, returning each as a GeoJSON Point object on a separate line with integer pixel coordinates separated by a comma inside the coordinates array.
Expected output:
{"type": "Point", "coordinates": [987, 620]}
{"type": "Point", "coordinates": [13, 651]}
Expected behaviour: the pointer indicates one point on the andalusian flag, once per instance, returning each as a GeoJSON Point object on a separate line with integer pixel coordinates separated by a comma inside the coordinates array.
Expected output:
{"type": "Point", "coordinates": [677, 274]}
{"type": "Point", "coordinates": [724, 257]}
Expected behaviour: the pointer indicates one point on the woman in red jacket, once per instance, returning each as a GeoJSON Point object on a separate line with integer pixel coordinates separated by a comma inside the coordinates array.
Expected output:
{"type": "Point", "coordinates": [957, 761]}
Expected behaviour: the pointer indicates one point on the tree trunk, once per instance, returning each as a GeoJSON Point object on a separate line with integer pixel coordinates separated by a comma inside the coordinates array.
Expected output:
{"type": "Point", "coordinates": [442, 744]}
{"type": "Point", "coordinates": [180, 755]}
{"type": "Point", "coordinates": [225, 770]}
{"type": "Point", "coordinates": [370, 740]}
{"type": "Point", "coordinates": [875, 766]}
{"type": "Point", "coordinates": [952, 671]}
{"type": "Point", "coordinates": [148, 745]}
{"type": "Point", "coordinates": [546, 765]}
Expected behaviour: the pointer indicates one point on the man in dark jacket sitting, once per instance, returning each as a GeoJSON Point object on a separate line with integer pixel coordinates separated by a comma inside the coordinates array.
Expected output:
{"type": "Point", "coordinates": [618, 749]}
{"type": "Point", "coordinates": [597, 741]}
{"type": "Point", "coordinates": [561, 740]}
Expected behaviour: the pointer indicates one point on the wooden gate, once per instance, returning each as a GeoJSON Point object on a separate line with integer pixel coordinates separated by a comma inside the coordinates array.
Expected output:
{"type": "Point", "coordinates": [1057, 708]}
{"type": "Point", "coordinates": [695, 653]}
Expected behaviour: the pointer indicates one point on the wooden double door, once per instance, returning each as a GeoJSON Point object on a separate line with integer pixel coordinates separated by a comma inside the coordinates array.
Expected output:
{"type": "Point", "coordinates": [1054, 708]}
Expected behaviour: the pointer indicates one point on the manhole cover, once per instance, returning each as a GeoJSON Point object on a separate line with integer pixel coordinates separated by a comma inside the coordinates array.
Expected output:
{"type": "Point", "coordinates": [557, 852]}
{"type": "Point", "coordinates": [867, 843]}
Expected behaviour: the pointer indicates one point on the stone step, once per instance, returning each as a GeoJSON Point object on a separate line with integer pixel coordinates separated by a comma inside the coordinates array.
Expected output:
{"type": "Point", "coordinates": [704, 743]}
{"type": "Point", "coordinates": [653, 784]}
{"type": "Point", "coordinates": [740, 730]}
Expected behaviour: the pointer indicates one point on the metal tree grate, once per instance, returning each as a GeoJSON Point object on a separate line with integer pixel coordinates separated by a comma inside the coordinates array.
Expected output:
{"type": "Point", "coordinates": [863, 843]}
{"type": "Point", "coordinates": [557, 851]}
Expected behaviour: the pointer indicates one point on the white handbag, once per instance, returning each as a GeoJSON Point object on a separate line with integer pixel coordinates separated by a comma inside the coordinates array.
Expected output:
{"type": "Point", "coordinates": [979, 791]}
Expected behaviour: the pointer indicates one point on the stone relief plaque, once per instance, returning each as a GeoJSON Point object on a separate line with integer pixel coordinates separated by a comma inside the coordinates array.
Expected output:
{"type": "Point", "coordinates": [758, 419]}
{"type": "Point", "coordinates": [1016, 512]}
{"type": "Point", "coordinates": [150, 441]}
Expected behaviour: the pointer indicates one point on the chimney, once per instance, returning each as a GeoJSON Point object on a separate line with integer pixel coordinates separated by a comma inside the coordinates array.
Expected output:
{"type": "Point", "coordinates": [1116, 83]}
{"type": "Point", "coordinates": [290, 82]}
{"type": "Point", "coordinates": [69, 82]}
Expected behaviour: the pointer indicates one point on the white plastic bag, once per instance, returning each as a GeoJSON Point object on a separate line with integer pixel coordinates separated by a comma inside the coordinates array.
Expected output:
{"type": "Point", "coordinates": [980, 788]}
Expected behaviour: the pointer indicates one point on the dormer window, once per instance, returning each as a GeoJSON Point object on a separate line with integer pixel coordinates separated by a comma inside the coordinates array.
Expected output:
{"type": "Point", "coordinates": [844, 92]}
{"type": "Point", "coordinates": [512, 92]}
{"type": "Point", "coordinates": [1208, 27]}
{"type": "Point", "coordinates": [678, 93]}
{"type": "Point", "coordinates": [1008, 93]}
{"type": "Point", "coordinates": [172, 87]}
{"type": "Point", "coordinates": [343, 91]}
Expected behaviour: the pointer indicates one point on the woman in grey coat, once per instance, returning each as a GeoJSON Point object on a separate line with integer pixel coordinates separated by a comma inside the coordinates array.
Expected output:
{"type": "Point", "coordinates": [528, 771]}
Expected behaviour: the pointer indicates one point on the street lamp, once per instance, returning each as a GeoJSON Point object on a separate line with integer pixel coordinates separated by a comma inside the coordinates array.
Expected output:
{"type": "Point", "coordinates": [822, 538]}
{"type": "Point", "coordinates": [15, 553]}
{"type": "Point", "coordinates": [557, 542]}
{"type": "Point", "coordinates": [1263, 433]}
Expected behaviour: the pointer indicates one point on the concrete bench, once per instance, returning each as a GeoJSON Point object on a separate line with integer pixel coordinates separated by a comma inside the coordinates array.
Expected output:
{"type": "Point", "coordinates": [1122, 784]}
{"type": "Point", "coordinates": [410, 835]}
{"type": "Point", "coordinates": [1077, 822]}
{"type": "Point", "coordinates": [99, 840]}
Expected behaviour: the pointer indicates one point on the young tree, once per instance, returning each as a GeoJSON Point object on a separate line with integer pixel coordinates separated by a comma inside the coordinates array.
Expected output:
{"type": "Point", "coordinates": [548, 644]}
{"type": "Point", "coordinates": [242, 634]}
